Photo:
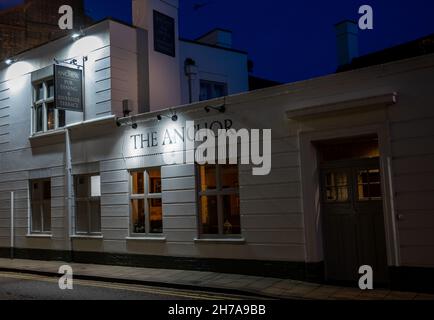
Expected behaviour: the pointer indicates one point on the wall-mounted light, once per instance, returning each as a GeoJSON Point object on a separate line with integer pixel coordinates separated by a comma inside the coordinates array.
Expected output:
{"type": "Point", "coordinates": [10, 61]}
{"type": "Point", "coordinates": [125, 122]}
{"type": "Point", "coordinates": [77, 35]}
{"type": "Point", "coordinates": [221, 109]}
{"type": "Point", "coordinates": [174, 117]}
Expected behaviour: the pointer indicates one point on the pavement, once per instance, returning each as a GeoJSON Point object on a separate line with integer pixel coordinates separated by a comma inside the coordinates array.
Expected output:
{"type": "Point", "coordinates": [254, 287]}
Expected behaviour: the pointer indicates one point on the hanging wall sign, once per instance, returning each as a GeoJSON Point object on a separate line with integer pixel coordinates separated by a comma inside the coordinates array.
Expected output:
{"type": "Point", "coordinates": [68, 88]}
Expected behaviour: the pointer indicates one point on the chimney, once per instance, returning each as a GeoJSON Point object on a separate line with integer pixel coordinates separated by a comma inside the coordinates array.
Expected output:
{"type": "Point", "coordinates": [347, 42]}
{"type": "Point", "coordinates": [217, 37]}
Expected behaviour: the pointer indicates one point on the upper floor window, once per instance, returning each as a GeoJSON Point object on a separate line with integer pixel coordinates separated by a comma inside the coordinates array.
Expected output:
{"type": "Point", "coordinates": [46, 116]}
{"type": "Point", "coordinates": [88, 204]}
{"type": "Point", "coordinates": [40, 221]}
{"type": "Point", "coordinates": [146, 202]}
{"type": "Point", "coordinates": [211, 90]}
{"type": "Point", "coordinates": [219, 200]}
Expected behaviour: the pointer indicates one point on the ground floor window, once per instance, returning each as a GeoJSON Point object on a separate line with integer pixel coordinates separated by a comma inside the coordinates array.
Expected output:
{"type": "Point", "coordinates": [40, 222]}
{"type": "Point", "coordinates": [146, 202]}
{"type": "Point", "coordinates": [219, 201]}
{"type": "Point", "coordinates": [87, 204]}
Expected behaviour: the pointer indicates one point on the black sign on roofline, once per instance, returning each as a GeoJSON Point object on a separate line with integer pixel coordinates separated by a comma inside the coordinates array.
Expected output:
{"type": "Point", "coordinates": [68, 88]}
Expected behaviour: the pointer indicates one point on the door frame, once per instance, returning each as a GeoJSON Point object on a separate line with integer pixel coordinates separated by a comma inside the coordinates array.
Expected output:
{"type": "Point", "coordinates": [351, 167]}
{"type": "Point", "coordinates": [311, 188]}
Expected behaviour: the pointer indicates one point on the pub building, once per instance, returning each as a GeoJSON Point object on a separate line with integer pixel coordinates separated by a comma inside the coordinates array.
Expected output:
{"type": "Point", "coordinates": [86, 122]}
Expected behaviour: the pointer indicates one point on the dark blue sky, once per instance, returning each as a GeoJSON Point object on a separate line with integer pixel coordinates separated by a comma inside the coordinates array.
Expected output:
{"type": "Point", "coordinates": [290, 40]}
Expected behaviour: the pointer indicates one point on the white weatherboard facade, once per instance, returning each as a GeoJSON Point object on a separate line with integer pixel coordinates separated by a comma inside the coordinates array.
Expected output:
{"type": "Point", "coordinates": [281, 213]}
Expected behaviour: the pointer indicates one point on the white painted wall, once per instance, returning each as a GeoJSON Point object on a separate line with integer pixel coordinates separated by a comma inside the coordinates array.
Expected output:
{"type": "Point", "coordinates": [164, 83]}
{"type": "Point", "coordinates": [213, 64]}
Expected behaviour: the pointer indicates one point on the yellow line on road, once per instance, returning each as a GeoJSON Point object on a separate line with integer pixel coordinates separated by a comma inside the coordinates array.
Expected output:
{"type": "Point", "coordinates": [125, 287]}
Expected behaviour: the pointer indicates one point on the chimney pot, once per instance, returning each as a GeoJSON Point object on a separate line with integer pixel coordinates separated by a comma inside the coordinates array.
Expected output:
{"type": "Point", "coordinates": [347, 42]}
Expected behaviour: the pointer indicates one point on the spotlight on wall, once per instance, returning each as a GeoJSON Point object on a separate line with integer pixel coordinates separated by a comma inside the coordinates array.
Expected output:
{"type": "Point", "coordinates": [134, 126]}
{"type": "Point", "coordinates": [221, 109]}
{"type": "Point", "coordinates": [10, 61]}
{"type": "Point", "coordinates": [77, 35]}
{"type": "Point", "coordinates": [174, 117]}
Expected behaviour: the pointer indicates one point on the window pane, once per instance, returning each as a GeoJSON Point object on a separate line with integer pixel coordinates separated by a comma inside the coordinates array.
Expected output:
{"type": "Point", "coordinates": [95, 216]}
{"type": "Point", "coordinates": [208, 177]}
{"type": "Point", "coordinates": [219, 90]}
{"type": "Point", "coordinates": [36, 216]}
{"type": "Point", "coordinates": [47, 190]}
{"type": "Point", "coordinates": [62, 118]}
{"type": "Point", "coordinates": [50, 89]}
{"type": "Point", "coordinates": [205, 91]}
{"type": "Point", "coordinates": [209, 216]}
{"type": "Point", "coordinates": [39, 118]}
{"type": "Point", "coordinates": [138, 182]}
{"type": "Point", "coordinates": [138, 216]}
{"type": "Point", "coordinates": [39, 89]}
{"type": "Point", "coordinates": [369, 185]}
{"type": "Point", "coordinates": [81, 216]}
{"type": "Point", "coordinates": [95, 186]}
{"type": "Point", "coordinates": [51, 125]}
{"type": "Point", "coordinates": [337, 179]}
{"type": "Point", "coordinates": [47, 215]}
{"type": "Point", "coordinates": [229, 176]}
{"type": "Point", "coordinates": [154, 181]}
{"type": "Point", "coordinates": [47, 206]}
{"type": "Point", "coordinates": [231, 212]}
{"type": "Point", "coordinates": [155, 216]}
{"type": "Point", "coordinates": [211, 90]}
{"type": "Point", "coordinates": [337, 188]}
{"type": "Point", "coordinates": [82, 186]}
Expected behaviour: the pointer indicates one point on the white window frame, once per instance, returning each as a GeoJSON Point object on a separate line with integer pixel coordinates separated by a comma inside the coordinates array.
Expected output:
{"type": "Point", "coordinates": [88, 200]}
{"type": "Point", "coordinates": [43, 103]}
{"type": "Point", "coordinates": [219, 192]}
{"type": "Point", "coordinates": [146, 197]}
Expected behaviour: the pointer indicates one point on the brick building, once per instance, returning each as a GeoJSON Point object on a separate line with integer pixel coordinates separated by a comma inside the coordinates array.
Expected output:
{"type": "Point", "coordinates": [33, 23]}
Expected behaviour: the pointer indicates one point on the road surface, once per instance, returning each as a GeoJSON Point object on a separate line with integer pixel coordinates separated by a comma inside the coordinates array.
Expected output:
{"type": "Point", "coordinates": [18, 286]}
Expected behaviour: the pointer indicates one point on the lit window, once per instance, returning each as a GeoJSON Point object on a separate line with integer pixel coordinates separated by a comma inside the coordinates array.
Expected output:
{"type": "Point", "coordinates": [40, 207]}
{"type": "Point", "coordinates": [46, 116]}
{"type": "Point", "coordinates": [369, 185]}
{"type": "Point", "coordinates": [146, 203]}
{"type": "Point", "coordinates": [211, 90]}
{"type": "Point", "coordinates": [337, 187]}
{"type": "Point", "coordinates": [88, 204]}
{"type": "Point", "coordinates": [219, 200]}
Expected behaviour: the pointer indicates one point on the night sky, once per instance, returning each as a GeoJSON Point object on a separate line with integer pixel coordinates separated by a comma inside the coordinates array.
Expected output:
{"type": "Point", "coordinates": [290, 40]}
